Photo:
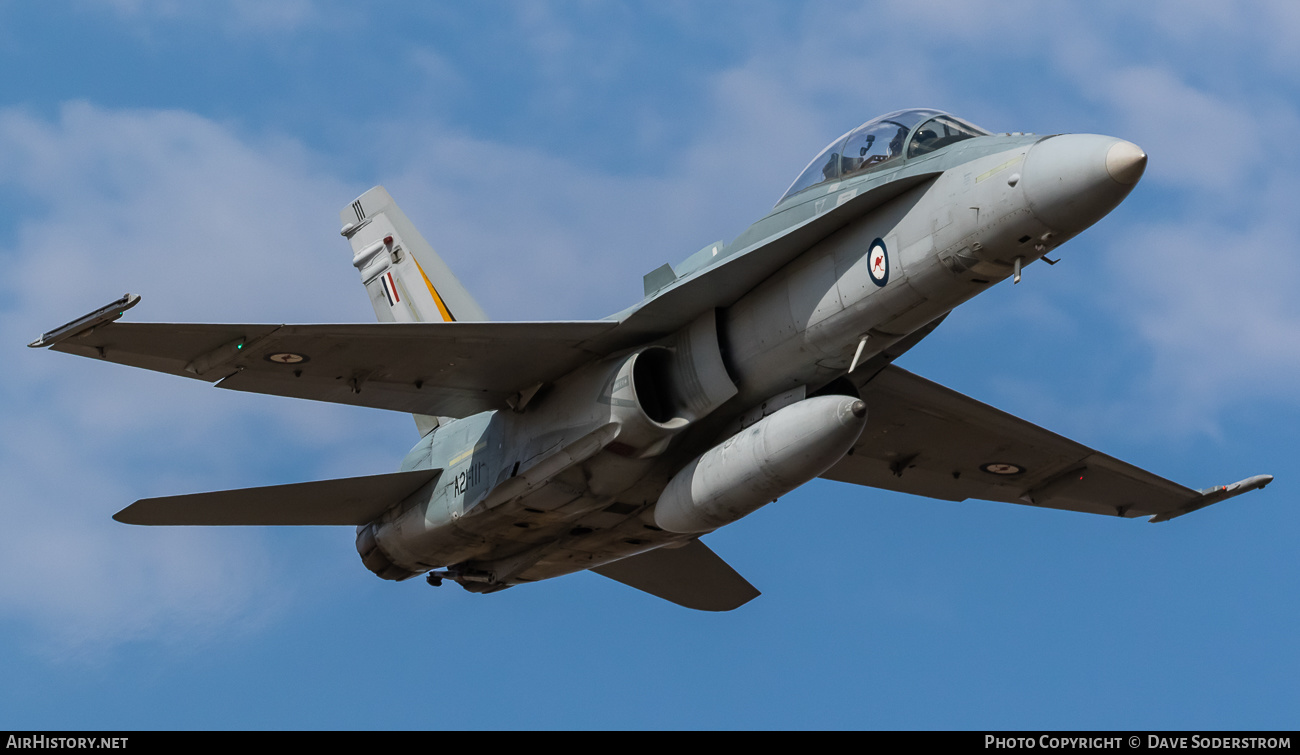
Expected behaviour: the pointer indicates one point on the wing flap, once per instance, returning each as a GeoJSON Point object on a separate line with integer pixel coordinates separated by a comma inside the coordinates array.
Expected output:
{"type": "Point", "coordinates": [692, 576]}
{"type": "Point", "coordinates": [925, 439]}
{"type": "Point", "coordinates": [347, 501]}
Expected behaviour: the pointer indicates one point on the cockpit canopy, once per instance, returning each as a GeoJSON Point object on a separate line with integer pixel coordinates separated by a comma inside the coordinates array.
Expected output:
{"type": "Point", "coordinates": [881, 141]}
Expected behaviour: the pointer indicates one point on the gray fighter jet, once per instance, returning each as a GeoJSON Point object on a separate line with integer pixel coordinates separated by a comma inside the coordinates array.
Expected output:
{"type": "Point", "coordinates": [748, 369]}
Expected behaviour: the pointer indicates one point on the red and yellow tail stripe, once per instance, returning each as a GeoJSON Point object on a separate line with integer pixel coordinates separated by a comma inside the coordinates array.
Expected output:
{"type": "Point", "coordinates": [442, 307]}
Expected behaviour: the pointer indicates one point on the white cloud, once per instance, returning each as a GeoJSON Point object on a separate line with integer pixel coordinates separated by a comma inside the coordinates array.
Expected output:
{"type": "Point", "coordinates": [205, 224]}
{"type": "Point", "coordinates": [1194, 137]}
{"type": "Point", "coordinates": [535, 236]}
{"type": "Point", "coordinates": [1216, 307]}
{"type": "Point", "coordinates": [1268, 30]}
{"type": "Point", "coordinates": [166, 203]}
{"type": "Point", "coordinates": [1206, 276]}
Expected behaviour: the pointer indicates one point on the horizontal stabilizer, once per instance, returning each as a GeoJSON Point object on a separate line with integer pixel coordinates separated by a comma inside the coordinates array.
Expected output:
{"type": "Point", "coordinates": [692, 576]}
{"type": "Point", "coordinates": [349, 501]}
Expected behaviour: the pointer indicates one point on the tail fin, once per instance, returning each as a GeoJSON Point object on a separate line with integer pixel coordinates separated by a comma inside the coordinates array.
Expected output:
{"type": "Point", "coordinates": [407, 281]}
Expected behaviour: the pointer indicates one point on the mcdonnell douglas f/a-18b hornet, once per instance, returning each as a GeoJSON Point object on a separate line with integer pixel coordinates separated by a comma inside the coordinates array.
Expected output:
{"type": "Point", "coordinates": [748, 369]}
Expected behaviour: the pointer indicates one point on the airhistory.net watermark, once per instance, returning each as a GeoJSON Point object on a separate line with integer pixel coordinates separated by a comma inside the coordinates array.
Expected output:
{"type": "Point", "coordinates": [43, 742]}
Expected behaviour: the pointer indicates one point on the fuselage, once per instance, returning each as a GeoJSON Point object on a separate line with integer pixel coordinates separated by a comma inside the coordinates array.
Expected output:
{"type": "Point", "coordinates": [574, 479]}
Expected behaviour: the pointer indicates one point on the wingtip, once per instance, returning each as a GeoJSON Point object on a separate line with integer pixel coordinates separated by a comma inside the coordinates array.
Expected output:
{"type": "Point", "coordinates": [136, 514]}
{"type": "Point", "coordinates": [1216, 494]}
{"type": "Point", "coordinates": [124, 516]}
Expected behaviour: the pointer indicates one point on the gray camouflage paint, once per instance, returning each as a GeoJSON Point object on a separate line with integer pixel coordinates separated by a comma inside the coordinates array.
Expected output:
{"type": "Point", "coordinates": [598, 469]}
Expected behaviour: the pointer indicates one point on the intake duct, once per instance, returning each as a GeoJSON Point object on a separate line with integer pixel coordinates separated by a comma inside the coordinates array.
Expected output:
{"type": "Point", "coordinates": [659, 390]}
{"type": "Point", "coordinates": [652, 385]}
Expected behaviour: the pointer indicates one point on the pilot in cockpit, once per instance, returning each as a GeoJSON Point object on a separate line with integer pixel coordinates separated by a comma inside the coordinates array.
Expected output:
{"type": "Point", "coordinates": [832, 167]}
{"type": "Point", "coordinates": [924, 141]}
{"type": "Point", "coordinates": [896, 144]}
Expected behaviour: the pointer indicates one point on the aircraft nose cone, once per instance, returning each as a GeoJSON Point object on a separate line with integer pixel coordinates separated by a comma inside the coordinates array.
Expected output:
{"type": "Point", "coordinates": [1071, 181]}
{"type": "Point", "coordinates": [1126, 162]}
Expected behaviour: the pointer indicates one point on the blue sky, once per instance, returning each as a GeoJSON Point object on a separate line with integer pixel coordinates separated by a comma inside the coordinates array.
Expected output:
{"type": "Point", "coordinates": [198, 154]}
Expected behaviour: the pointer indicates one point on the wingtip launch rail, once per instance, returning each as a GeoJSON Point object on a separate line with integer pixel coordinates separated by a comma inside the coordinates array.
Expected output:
{"type": "Point", "coordinates": [105, 314]}
{"type": "Point", "coordinates": [1210, 496]}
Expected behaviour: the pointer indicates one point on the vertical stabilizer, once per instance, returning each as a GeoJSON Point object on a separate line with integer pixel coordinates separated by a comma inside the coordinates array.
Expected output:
{"type": "Point", "coordinates": [407, 280]}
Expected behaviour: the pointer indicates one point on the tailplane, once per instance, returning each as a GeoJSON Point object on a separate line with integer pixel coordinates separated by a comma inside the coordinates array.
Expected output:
{"type": "Point", "coordinates": [407, 280]}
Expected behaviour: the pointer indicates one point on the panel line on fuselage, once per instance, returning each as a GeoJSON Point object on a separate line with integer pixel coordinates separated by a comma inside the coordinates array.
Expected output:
{"type": "Point", "coordinates": [466, 454]}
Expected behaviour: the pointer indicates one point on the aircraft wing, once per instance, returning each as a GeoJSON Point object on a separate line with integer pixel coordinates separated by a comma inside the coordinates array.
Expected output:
{"type": "Point", "coordinates": [692, 576]}
{"type": "Point", "coordinates": [928, 440]}
{"type": "Point", "coordinates": [450, 369]}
